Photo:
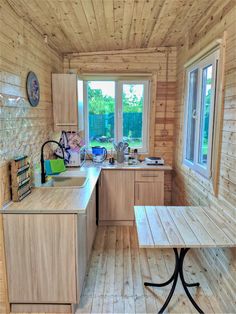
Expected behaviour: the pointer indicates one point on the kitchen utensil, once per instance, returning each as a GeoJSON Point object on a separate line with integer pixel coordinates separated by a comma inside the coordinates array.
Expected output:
{"type": "Point", "coordinates": [99, 153]}
{"type": "Point", "coordinates": [120, 156]}
{"type": "Point", "coordinates": [125, 146]}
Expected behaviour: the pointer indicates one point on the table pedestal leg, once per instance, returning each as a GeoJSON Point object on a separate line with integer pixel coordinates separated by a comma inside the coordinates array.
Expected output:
{"type": "Point", "coordinates": [179, 260]}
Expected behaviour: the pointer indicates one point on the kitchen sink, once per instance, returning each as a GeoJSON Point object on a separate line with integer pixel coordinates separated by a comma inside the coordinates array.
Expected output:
{"type": "Point", "coordinates": [77, 180]}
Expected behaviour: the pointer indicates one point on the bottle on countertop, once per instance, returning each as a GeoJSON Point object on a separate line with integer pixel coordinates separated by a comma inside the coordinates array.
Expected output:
{"type": "Point", "coordinates": [135, 155]}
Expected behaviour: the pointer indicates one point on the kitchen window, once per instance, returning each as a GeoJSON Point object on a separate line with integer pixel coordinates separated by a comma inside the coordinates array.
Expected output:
{"type": "Point", "coordinates": [199, 113]}
{"type": "Point", "coordinates": [116, 110]}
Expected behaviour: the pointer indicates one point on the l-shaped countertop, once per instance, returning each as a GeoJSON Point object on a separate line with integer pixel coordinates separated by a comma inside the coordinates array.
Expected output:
{"type": "Point", "coordinates": [69, 200]}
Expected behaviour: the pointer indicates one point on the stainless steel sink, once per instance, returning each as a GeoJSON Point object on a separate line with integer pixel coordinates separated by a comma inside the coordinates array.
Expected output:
{"type": "Point", "coordinates": [66, 182]}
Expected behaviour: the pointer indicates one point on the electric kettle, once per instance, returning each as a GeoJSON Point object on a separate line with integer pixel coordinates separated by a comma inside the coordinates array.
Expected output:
{"type": "Point", "coordinates": [99, 154]}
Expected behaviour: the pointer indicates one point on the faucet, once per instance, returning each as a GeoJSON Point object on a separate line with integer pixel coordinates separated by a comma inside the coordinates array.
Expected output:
{"type": "Point", "coordinates": [43, 175]}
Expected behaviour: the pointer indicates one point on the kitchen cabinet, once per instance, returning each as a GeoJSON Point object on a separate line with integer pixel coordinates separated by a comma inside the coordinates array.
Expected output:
{"type": "Point", "coordinates": [40, 258]}
{"type": "Point", "coordinates": [81, 252]}
{"type": "Point", "coordinates": [149, 188]}
{"type": "Point", "coordinates": [116, 196]}
{"type": "Point", "coordinates": [149, 193]}
{"type": "Point", "coordinates": [120, 190]}
{"type": "Point", "coordinates": [91, 223]}
{"type": "Point", "coordinates": [67, 110]}
{"type": "Point", "coordinates": [47, 256]}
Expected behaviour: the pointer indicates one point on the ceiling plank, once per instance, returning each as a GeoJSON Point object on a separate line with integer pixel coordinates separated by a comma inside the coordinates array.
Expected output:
{"type": "Point", "coordinates": [128, 14]}
{"type": "Point", "coordinates": [167, 15]}
{"type": "Point", "coordinates": [104, 25]}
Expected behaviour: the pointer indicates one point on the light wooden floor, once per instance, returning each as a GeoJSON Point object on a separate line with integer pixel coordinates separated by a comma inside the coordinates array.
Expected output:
{"type": "Point", "coordinates": [118, 269]}
{"type": "Point", "coordinates": [114, 283]}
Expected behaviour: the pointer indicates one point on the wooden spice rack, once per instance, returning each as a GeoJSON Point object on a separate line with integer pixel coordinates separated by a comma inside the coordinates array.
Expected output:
{"type": "Point", "coordinates": [20, 178]}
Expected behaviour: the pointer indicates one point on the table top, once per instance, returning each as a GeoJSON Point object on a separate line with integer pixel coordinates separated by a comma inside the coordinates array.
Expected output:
{"type": "Point", "coordinates": [183, 227]}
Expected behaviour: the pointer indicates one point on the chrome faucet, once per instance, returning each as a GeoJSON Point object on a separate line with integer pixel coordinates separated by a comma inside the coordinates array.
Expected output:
{"type": "Point", "coordinates": [43, 174]}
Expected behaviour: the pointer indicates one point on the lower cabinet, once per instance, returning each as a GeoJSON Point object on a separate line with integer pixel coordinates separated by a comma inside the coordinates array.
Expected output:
{"type": "Point", "coordinates": [40, 257]}
{"type": "Point", "coordinates": [120, 190]}
{"type": "Point", "coordinates": [149, 188]}
{"type": "Point", "coordinates": [91, 223]}
{"type": "Point", "coordinates": [116, 196]}
{"type": "Point", "coordinates": [47, 257]}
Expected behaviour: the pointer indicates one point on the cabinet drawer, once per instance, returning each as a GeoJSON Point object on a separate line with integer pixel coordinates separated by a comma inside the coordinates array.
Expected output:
{"type": "Point", "coordinates": [149, 176]}
{"type": "Point", "coordinates": [149, 193]}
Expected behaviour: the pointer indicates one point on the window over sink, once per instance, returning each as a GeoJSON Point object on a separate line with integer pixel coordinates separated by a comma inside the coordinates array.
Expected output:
{"type": "Point", "coordinates": [116, 110]}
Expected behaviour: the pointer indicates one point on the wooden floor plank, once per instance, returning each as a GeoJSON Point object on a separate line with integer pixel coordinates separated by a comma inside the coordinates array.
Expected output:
{"type": "Point", "coordinates": [110, 271]}
{"type": "Point", "coordinates": [101, 271]}
{"type": "Point", "coordinates": [136, 270]}
{"type": "Point", "coordinates": [119, 263]}
{"type": "Point", "coordinates": [128, 276]}
{"type": "Point", "coordinates": [94, 263]}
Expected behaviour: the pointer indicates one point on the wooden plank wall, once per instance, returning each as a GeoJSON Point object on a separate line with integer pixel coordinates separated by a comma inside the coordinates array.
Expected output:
{"type": "Point", "coordinates": [189, 188]}
{"type": "Point", "coordinates": [22, 128]}
{"type": "Point", "coordinates": [160, 63]}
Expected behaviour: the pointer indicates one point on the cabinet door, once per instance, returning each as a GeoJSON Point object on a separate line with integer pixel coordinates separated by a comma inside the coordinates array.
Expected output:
{"type": "Point", "coordinates": [82, 260]}
{"type": "Point", "coordinates": [149, 193]}
{"type": "Point", "coordinates": [40, 258]}
{"type": "Point", "coordinates": [116, 197]}
{"type": "Point", "coordinates": [65, 104]}
{"type": "Point", "coordinates": [91, 223]}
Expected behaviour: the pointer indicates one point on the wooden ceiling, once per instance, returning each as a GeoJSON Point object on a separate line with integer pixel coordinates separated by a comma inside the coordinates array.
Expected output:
{"type": "Point", "coordinates": [102, 25]}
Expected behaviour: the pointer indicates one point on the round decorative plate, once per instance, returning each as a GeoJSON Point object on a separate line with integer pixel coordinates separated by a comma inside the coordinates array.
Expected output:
{"type": "Point", "coordinates": [32, 87]}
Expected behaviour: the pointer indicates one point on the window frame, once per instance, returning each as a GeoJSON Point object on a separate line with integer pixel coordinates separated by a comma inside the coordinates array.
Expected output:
{"type": "Point", "coordinates": [118, 125]}
{"type": "Point", "coordinates": [212, 58]}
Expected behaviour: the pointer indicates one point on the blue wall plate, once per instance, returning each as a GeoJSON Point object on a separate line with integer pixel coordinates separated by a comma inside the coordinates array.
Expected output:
{"type": "Point", "coordinates": [32, 87]}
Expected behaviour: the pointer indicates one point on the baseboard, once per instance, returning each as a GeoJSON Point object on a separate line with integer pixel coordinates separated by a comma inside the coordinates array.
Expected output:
{"type": "Point", "coordinates": [40, 308]}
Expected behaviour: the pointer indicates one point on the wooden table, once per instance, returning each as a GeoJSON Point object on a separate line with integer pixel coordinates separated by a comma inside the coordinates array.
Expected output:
{"type": "Point", "coordinates": [184, 228]}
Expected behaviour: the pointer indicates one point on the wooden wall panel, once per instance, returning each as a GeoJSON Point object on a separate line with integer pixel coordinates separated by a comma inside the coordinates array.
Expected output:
{"type": "Point", "coordinates": [191, 188]}
{"type": "Point", "coordinates": [160, 64]}
{"type": "Point", "coordinates": [22, 128]}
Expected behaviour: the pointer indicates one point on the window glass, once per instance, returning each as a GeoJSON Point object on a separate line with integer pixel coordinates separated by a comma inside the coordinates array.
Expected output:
{"type": "Point", "coordinates": [200, 111]}
{"type": "Point", "coordinates": [192, 107]}
{"type": "Point", "coordinates": [101, 113]}
{"type": "Point", "coordinates": [205, 114]}
{"type": "Point", "coordinates": [116, 110]}
{"type": "Point", "coordinates": [133, 105]}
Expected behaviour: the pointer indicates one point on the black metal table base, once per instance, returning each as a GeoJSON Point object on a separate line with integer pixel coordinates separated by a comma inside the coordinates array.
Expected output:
{"type": "Point", "coordinates": [178, 272]}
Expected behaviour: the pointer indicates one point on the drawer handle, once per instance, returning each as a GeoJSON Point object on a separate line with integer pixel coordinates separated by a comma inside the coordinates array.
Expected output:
{"type": "Point", "coordinates": [150, 175]}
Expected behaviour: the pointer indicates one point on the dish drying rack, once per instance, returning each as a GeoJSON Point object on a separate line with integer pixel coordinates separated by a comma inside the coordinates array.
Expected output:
{"type": "Point", "coordinates": [20, 178]}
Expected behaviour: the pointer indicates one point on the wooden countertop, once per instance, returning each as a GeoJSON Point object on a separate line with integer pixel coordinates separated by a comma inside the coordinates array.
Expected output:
{"type": "Point", "coordinates": [140, 166]}
{"type": "Point", "coordinates": [57, 200]}
{"type": "Point", "coordinates": [68, 200]}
